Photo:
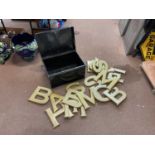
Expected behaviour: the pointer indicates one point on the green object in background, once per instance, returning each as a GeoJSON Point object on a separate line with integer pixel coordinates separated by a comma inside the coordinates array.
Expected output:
{"type": "Point", "coordinates": [25, 46]}
{"type": "Point", "coordinates": [1, 60]}
{"type": "Point", "coordinates": [31, 46]}
{"type": "Point", "coordinates": [5, 52]}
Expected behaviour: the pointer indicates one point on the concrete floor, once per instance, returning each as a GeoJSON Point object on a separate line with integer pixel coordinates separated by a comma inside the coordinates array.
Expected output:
{"type": "Point", "coordinates": [95, 38]}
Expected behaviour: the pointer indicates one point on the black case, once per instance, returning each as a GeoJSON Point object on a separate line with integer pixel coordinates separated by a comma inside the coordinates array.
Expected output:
{"type": "Point", "coordinates": [58, 52]}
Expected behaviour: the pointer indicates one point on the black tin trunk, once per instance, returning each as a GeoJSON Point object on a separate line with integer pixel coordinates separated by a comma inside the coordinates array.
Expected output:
{"type": "Point", "coordinates": [58, 52]}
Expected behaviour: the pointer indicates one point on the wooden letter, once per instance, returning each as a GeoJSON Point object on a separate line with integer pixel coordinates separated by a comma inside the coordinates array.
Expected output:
{"type": "Point", "coordinates": [116, 95]}
{"type": "Point", "coordinates": [97, 66]}
{"type": "Point", "coordinates": [75, 110]}
{"type": "Point", "coordinates": [112, 75]}
{"type": "Point", "coordinates": [82, 100]}
{"type": "Point", "coordinates": [55, 100]}
{"type": "Point", "coordinates": [52, 116]}
{"type": "Point", "coordinates": [41, 92]}
{"type": "Point", "coordinates": [83, 112]}
{"type": "Point", "coordinates": [102, 75]}
{"type": "Point", "coordinates": [90, 81]}
{"type": "Point", "coordinates": [90, 99]}
{"type": "Point", "coordinates": [113, 82]}
{"type": "Point", "coordinates": [71, 99]}
{"type": "Point", "coordinates": [68, 113]}
{"type": "Point", "coordinates": [97, 95]}
{"type": "Point", "coordinates": [76, 86]}
{"type": "Point", "coordinates": [117, 70]}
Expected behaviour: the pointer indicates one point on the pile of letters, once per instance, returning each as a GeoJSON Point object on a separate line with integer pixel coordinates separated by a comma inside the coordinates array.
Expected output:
{"type": "Point", "coordinates": [101, 86]}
